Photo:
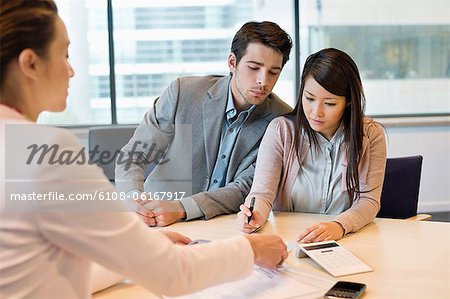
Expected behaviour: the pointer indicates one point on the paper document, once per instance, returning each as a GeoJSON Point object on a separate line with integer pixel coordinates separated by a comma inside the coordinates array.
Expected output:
{"type": "Point", "coordinates": [262, 284]}
{"type": "Point", "coordinates": [290, 245]}
{"type": "Point", "coordinates": [102, 278]}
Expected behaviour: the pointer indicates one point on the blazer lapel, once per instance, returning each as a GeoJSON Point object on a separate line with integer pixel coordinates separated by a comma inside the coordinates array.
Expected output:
{"type": "Point", "coordinates": [213, 116]}
{"type": "Point", "coordinates": [250, 134]}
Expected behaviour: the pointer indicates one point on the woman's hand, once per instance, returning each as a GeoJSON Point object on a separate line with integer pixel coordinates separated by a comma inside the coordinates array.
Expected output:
{"type": "Point", "coordinates": [242, 218]}
{"type": "Point", "coordinates": [176, 237]}
{"type": "Point", "coordinates": [269, 250]}
{"type": "Point", "coordinates": [322, 231]}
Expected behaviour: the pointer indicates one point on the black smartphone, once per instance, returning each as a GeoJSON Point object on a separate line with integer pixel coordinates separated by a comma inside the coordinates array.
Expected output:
{"type": "Point", "coordinates": [346, 289]}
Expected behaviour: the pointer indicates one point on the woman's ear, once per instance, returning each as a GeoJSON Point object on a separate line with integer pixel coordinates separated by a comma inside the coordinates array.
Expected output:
{"type": "Point", "coordinates": [28, 62]}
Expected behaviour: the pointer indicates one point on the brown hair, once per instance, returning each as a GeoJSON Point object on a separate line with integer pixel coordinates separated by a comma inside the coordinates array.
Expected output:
{"type": "Point", "coordinates": [336, 71]}
{"type": "Point", "coordinates": [266, 33]}
{"type": "Point", "coordinates": [25, 24]}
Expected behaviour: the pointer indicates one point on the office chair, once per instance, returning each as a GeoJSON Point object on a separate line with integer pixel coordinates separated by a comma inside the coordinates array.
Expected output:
{"type": "Point", "coordinates": [400, 192]}
{"type": "Point", "coordinates": [111, 139]}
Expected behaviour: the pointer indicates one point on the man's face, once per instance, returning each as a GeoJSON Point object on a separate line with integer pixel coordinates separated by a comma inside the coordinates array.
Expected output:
{"type": "Point", "coordinates": [255, 76]}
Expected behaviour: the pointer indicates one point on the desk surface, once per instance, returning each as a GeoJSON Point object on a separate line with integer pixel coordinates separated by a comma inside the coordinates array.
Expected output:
{"type": "Point", "coordinates": [411, 259]}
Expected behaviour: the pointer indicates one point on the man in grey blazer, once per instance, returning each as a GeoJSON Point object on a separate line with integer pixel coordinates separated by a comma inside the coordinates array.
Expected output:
{"type": "Point", "coordinates": [202, 135]}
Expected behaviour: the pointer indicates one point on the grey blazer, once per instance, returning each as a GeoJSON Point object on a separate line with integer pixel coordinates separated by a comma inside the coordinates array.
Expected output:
{"type": "Point", "coordinates": [182, 132]}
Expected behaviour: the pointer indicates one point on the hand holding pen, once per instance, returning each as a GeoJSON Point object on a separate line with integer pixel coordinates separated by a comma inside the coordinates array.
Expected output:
{"type": "Point", "coordinates": [252, 206]}
{"type": "Point", "coordinates": [249, 220]}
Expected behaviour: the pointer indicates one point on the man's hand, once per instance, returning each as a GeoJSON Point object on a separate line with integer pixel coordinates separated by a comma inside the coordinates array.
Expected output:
{"type": "Point", "coordinates": [137, 205]}
{"type": "Point", "coordinates": [165, 212]}
{"type": "Point", "coordinates": [269, 250]}
{"type": "Point", "coordinates": [242, 218]}
{"type": "Point", "coordinates": [323, 231]}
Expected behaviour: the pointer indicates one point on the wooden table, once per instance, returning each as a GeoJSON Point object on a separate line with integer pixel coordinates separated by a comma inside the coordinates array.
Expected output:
{"type": "Point", "coordinates": [411, 259]}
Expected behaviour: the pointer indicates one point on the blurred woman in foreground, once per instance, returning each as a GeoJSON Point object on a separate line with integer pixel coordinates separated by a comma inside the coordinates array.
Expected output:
{"type": "Point", "coordinates": [47, 247]}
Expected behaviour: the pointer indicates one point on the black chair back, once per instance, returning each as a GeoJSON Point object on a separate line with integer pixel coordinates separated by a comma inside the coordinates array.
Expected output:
{"type": "Point", "coordinates": [400, 193]}
{"type": "Point", "coordinates": [109, 139]}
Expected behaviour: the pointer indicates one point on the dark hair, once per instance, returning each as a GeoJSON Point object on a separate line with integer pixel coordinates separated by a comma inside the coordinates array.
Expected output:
{"type": "Point", "coordinates": [266, 33]}
{"type": "Point", "coordinates": [336, 71]}
{"type": "Point", "coordinates": [25, 24]}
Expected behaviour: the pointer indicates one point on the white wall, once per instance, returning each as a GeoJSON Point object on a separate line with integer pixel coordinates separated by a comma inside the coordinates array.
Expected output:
{"type": "Point", "coordinates": [433, 143]}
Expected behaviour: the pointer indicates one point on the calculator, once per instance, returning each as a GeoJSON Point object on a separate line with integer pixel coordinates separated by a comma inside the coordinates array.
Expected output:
{"type": "Point", "coordinates": [334, 258]}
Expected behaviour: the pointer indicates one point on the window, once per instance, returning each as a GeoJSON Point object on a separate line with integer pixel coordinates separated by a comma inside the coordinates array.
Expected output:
{"type": "Point", "coordinates": [401, 62]}
{"type": "Point", "coordinates": [86, 23]}
{"type": "Point", "coordinates": [401, 47]}
{"type": "Point", "coordinates": [157, 41]}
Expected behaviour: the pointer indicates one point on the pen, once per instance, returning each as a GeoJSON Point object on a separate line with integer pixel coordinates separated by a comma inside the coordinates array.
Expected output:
{"type": "Point", "coordinates": [252, 205]}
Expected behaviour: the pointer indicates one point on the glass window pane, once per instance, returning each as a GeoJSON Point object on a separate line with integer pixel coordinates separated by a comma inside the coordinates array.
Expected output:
{"type": "Point", "coordinates": [158, 41]}
{"type": "Point", "coordinates": [401, 48]}
{"type": "Point", "coordinates": [89, 93]}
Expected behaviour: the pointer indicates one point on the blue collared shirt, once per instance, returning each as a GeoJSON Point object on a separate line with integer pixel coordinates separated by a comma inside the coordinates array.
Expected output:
{"type": "Point", "coordinates": [318, 186]}
{"type": "Point", "coordinates": [233, 122]}
{"type": "Point", "coordinates": [232, 125]}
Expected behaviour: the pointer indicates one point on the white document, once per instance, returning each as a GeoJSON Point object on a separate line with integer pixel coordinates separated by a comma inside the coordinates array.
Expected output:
{"type": "Point", "coordinates": [291, 245]}
{"type": "Point", "coordinates": [102, 278]}
{"type": "Point", "coordinates": [262, 284]}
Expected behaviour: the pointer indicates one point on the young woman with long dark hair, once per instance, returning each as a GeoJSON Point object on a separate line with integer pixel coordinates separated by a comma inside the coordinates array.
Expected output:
{"type": "Point", "coordinates": [325, 157]}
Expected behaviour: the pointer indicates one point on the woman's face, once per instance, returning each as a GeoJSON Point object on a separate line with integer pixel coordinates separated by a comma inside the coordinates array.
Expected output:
{"type": "Point", "coordinates": [323, 109]}
{"type": "Point", "coordinates": [56, 71]}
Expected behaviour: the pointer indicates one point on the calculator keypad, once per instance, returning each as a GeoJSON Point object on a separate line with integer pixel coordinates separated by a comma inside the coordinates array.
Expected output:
{"type": "Point", "coordinates": [335, 259]}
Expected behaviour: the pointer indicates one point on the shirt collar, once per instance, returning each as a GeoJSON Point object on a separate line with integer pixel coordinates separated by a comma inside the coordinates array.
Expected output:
{"type": "Point", "coordinates": [230, 109]}
{"type": "Point", "coordinates": [337, 137]}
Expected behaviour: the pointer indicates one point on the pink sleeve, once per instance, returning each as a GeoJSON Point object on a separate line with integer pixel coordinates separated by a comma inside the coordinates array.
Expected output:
{"type": "Point", "coordinates": [122, 243]}
{"type": "Point", "coordinates": [268, 169]}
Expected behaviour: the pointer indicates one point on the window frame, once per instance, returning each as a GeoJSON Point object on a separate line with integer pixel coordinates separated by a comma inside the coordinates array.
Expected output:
{"type": "Point", "coordinates": [436, 119]}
